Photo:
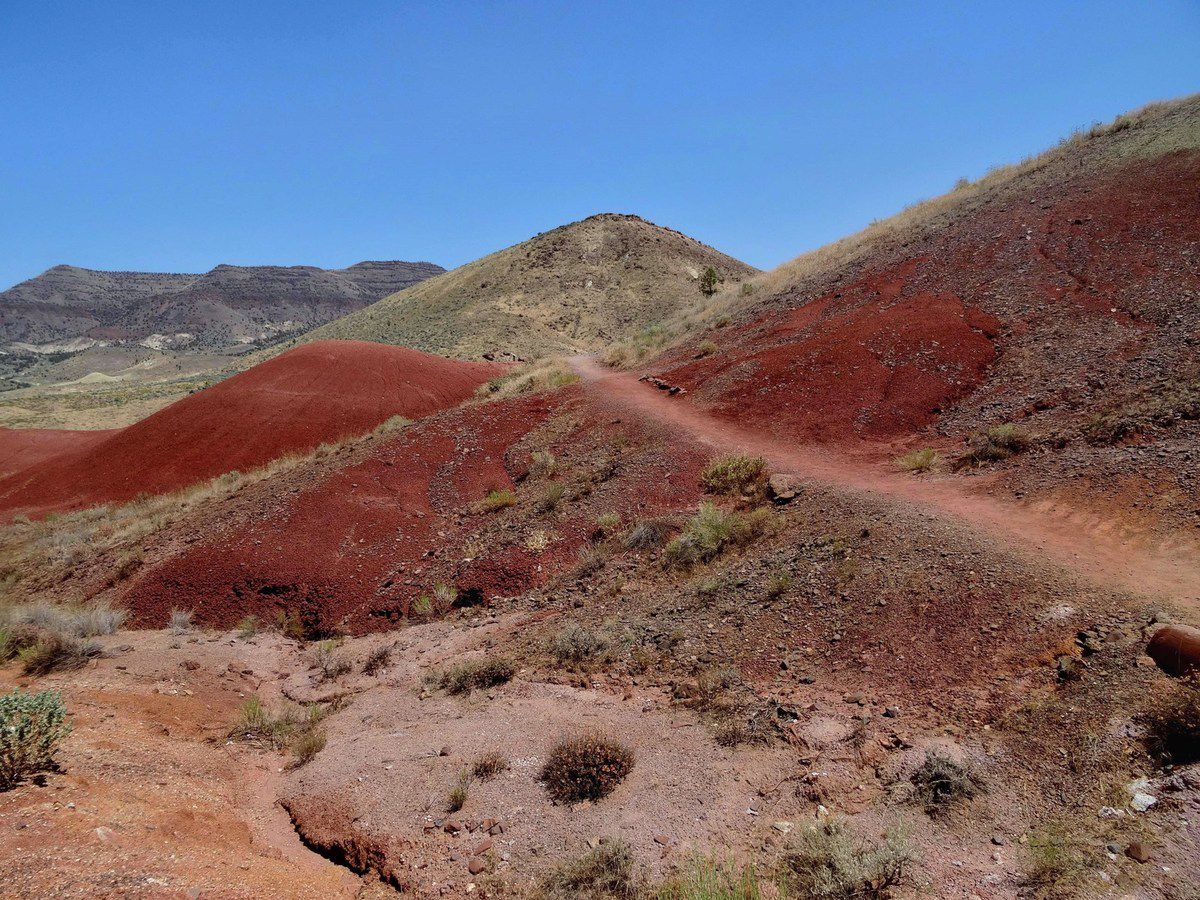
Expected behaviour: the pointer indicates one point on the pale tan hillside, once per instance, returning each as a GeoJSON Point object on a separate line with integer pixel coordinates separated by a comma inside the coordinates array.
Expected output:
{"type": "Point", "coordinates": [578, 287]}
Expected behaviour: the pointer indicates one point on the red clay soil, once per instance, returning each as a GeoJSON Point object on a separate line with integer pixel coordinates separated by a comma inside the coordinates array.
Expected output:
{"type": "Point", "coordinates": [313, 394]}
{"type": "Point", "coordinates": [1045, 303]}
{"type": "Point", "coordinates": [21, 448]}
{"type": "Point", "coordinates": [350, 549]}
{"type": "Point", "coordinates": [348, 553]}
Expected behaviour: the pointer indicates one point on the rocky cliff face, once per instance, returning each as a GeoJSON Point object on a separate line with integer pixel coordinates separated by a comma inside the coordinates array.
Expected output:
{"type": "Point", "coordinates": [67, 306]}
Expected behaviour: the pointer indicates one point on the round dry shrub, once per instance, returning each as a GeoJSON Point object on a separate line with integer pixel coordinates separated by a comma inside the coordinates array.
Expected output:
{"type": "Point", "coordinates": [585, 768]}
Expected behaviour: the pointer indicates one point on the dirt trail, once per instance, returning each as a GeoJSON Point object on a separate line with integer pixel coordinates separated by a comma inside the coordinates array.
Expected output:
{"type": "Point", "coordinates": [1108, 553]}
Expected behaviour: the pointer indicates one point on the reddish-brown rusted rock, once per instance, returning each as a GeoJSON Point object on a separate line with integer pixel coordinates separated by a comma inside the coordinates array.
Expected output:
{"type": "Point", "coordinates": [1176, 649]}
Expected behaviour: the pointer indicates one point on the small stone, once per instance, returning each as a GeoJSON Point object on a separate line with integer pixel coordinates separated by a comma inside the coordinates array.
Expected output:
{"type": "Point", "coordinates": [445, 751]}
{"type": "Point", "coordinates": [998, 840]}
{"type": "Point", "coordinates": [783, 827]}
{"type": "Point", "coordinates": [1142, 802]}
{"type": "Point", "coordinates": [452, 827]}
{"type": "Point", "coordinates": [662, 839]}
{"type": "Point", "coordinates": [1138, 852]}
{"type": "Point", "coordinates": [105, 834]}
{"type": "Point", "coordinates": [482, 848]}
{"type": "Point", "coordinates": [476, 866]}
{"type": "Point", "coordinates": [892, 712]}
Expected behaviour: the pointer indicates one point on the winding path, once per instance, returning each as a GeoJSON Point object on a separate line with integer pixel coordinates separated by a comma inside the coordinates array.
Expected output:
{"type": "Point", "coordinates": [1104, 552]}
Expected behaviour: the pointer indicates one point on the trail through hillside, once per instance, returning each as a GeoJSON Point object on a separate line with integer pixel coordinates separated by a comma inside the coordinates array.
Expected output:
{"type": "Point", "coordinates": [1106, 552]}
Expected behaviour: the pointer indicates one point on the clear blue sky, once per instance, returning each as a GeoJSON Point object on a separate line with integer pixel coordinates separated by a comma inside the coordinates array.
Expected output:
{"type": "Point", "coordinates": [178, 135]}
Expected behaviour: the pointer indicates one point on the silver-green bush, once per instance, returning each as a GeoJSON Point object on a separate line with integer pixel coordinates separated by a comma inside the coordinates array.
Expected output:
{"type": "Point", "coordinates": [31, 726]}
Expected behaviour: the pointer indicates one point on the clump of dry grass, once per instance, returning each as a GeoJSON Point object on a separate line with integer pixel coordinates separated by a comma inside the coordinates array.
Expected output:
{"type": "Point", "coordinates": [607, 872]}
{"type": "Point", "coordinates": [489, 766]}
{"type": "Point", "coordinates": [994, 445]}
{"type": "Point", "coordinates": [475, 674]}
{"type": "Point", "coordinates": [585, 768]}
{"type": "Point", "coordinates": [735, 474]}
{"type": "Point", "coordinates": [496, 500]}
{"type": "Point", "coordinates": [546, 374]}
{"type": "Point", "coordinates": [459, 793]}
{"type": "Point", "coordinates": [180, 621]}
{"type": "Point", "coordinates": [54, 652]}
{"type": "Point", "coordinates": [290, 727]}
{"type": "Point", "coordinates": [918, 461]}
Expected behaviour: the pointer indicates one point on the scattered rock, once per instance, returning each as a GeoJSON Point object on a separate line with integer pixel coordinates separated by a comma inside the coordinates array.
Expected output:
{"type": "Point", "coordinates": [783, 488]}
{"type": "Point", "coordinates": [476, 866]}
{"type": "Point", "coordinates": [1138, 852]}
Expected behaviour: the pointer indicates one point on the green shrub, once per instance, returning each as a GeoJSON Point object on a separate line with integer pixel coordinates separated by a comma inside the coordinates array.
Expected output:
{"type": "Point", "coordinates": [477, 674]}
{"type": "Point", "coordinates": [496, 501]}
{"type": "Point", "coordinates": [778, 585]}
{"type": "Point", "coordinates": [918, 461]}
{"type": "Point", "coordinates": [585, 768]}
{"type": "Point", "coordinates": [826, 862]}
{"type": "Point", "coordinates": [607, 872]}
{"type": "Point", "coordinates": [712, 531]}
{"type": "Point", "coordinates": [285, 728]}
{"type": "Point", "coordinates": [1054, 861]}
{"type": "Point", "coordinates": [31, 727]}
{"type": "Point", "coordinates": [735, 475]}
{"type": "Point", "coordinates": [941, 781]}
{"type": "Point", "coordinates": [706, 348]}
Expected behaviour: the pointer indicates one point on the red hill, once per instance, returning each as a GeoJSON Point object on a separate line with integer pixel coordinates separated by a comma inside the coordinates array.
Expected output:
{"type": "Point", "coordinates": [313, 394]}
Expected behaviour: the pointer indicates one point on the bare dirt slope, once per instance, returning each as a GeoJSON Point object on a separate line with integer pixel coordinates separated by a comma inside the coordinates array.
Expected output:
{"type": "Point", "coordinates": [317, 393]}
{"type": "Point", "coordinates": [578, 287]}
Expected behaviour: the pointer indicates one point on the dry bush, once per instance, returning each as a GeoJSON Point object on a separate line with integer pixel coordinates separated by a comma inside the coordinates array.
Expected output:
{"type": "Point", "coordinates": [827, 862]}
{"type": "Point", "coordinates": [591, 560]}
{"type": "Point", "coordinates": [377, 660]}
{"type": "Point", "coordinates": [585, 768]}
{"type": "Point", "coordinates": [56, 652]}
{"type": "Point", "coordinates": [395, 423]}
{"type": "Point", "coordinates": [607, 872]}
{"type": "Point", "coordinates": [705, 348]}
{"type": "Point", "coordinates": [489, 766]}
{"type": "Point", "coordinates": [180, 621]}
{"type": "Point", "coordinates": [918, 461]}
{"type": "Point", "coordinates": [649, 534]}
{"type": "Point", "coordinates": [606, 524]}
{"type": "Point", "coordinates": [1054, 861]}
{"type": "Point", "coordinates": [705, 878]}
{"type": "Point", "coordinates": [476, 674]}
{"type": "Point", "coordinates": [329, 662]}
{"type": "Point", "coordinates": [778, 584]}
{"type": "Point", "coordinates": [576, 644]}
{"type": "Point", "coordinates": [941, 781]}
{"type": "Point", "coordinates": [735, 474]}
{"type": "Point", "coordinates": [543, 464]}
{"type": "Point", "coordinates": [1172, 723]}
{"type": "Point", "coordinates": [249, 627]}
{"type": "Point", "coordinates": [994, 445]}
{"type": "Point", "coordinates": [31, 728]}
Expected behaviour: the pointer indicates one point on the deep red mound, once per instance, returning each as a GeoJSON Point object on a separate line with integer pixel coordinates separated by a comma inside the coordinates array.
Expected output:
{"type": "Point", "coordinates": [351, 551]}
{"type": "Point", "coordinates": [21, 448]}
{"type": "Point", "coordinates": [310, 395]}
{"type": "Point", "coordinates": [859, 363]}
